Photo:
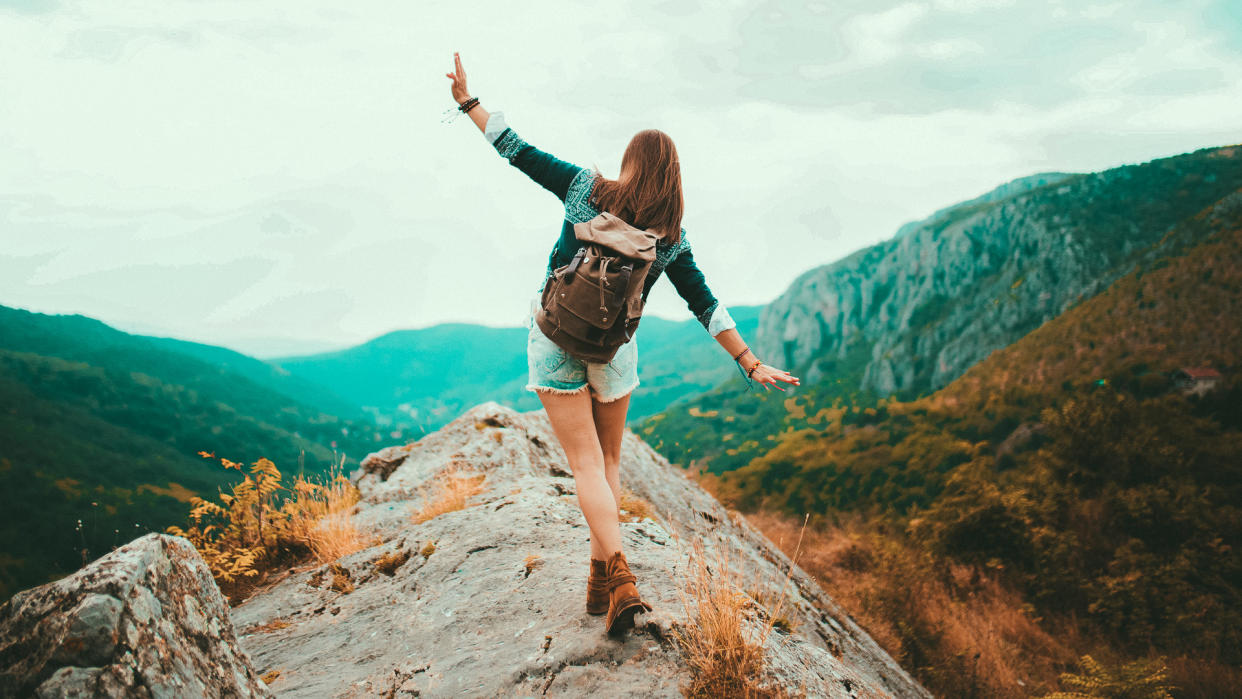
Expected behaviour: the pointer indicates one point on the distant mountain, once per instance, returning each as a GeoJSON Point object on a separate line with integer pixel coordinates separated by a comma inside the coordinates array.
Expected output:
{"type": "Point", "coordinates": [1170, 313]}
{"type": "Point", "coordinates": [104, 427]}
{"type": "Point", "coordinates": [422, 378]}
{"type": "Point", "coordinates": [265, 374]}
{"type": "Point", "coordinates": [922, 308]}
{"type": "Point", "coordinates": [909, 315]}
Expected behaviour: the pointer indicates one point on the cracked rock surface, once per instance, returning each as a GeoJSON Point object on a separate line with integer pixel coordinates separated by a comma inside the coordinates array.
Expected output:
{"type": "Point", "coordinates": [146, 620]}
{"type": "Point", "coordinates": [489, 600]}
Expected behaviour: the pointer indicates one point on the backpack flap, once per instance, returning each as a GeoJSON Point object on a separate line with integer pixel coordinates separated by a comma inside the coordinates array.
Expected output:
{"type": "Point", "coordinates": [613, 233]}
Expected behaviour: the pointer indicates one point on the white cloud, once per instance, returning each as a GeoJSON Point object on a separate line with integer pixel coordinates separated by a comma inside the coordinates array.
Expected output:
{"type": "Point", "coordinates": [948, 48]}
{"type": "Point", "coordinates": [968, 6]}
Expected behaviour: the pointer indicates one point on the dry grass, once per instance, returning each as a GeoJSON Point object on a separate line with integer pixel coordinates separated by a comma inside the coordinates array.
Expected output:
{"type": "Point", "coordinates": [955, 628]}
{"type": "Point", "coordinates": [449, 492]}
{"type": "Point", "coordinates": [634, 508]}
{"type": "Point", "coordinates": [390, 562]}
{"type": "Point", "coordinates": [262, 527]}
{"type": "Point", "coordinates": [774, 607]}
{"type": "Point", "coordinates": [1203, 679]}
{"type": "Point", "coordinates": [342, 582]}
{"type": "Point", "coordinates": [273, 625]}
{"type": "Point", "coordinates": [322, 517]}
{"type": "Point", "coordinates": [721, 642]}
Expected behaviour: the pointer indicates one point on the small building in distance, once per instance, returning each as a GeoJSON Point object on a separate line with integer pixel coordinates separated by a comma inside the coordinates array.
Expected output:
{"type": "Point", "coordinates": [1198, 380]}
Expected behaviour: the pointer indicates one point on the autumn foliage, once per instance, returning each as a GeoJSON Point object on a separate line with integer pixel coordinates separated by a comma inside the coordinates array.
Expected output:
{"type": "Point", "coordinates": [264, 523]}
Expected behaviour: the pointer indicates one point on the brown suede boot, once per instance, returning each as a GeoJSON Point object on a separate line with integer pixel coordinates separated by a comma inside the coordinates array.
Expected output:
{"type": "Point", "coordinates": [623, 599]}
{"type": "Point", "coordinates": [597, 589]}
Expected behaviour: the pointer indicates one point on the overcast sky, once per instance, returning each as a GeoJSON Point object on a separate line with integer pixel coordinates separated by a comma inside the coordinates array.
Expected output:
{"type": "Point", "coordinates": [275, 177]}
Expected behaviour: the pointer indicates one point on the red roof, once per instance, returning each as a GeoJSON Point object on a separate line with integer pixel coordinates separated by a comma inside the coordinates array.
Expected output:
{"type": "Point", "coordinates": [1201, 372]}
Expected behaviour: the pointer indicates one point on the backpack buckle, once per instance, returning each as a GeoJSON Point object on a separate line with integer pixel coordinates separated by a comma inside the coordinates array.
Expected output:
{"type": "Point", "coordinates": [573, 265]}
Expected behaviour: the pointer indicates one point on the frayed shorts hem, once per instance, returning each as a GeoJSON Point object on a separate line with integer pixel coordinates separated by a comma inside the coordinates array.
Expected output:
{"type": "Point", "coordinates": [553, 389]}
{"type": "Point", "coordinates": [594, 394]}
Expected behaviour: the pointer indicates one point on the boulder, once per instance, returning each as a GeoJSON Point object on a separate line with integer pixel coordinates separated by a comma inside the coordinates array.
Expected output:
{"type": "Point", "coordinates": [145, 620]}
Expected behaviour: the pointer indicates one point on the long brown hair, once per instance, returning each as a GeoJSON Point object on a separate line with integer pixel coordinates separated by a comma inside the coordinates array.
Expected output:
{"type": "Point", "coordinates": [647, 194]}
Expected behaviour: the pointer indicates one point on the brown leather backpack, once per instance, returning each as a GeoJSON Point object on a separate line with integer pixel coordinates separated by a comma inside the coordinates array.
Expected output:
{"type": "Point", "coordinates": [591, 306]}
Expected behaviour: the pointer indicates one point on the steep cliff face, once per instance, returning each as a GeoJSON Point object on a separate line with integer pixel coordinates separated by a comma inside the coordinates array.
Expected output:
{"type": "Point", "coordinates": [909, 315]}
{"type": "Point", "coordinates": [489, 600]}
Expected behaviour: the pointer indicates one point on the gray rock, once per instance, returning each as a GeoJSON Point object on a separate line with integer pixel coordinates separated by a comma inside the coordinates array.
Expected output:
{"type": "Point", "coordinates": [130, 624]}
{"type": "Point", "coordinates": [498, 608]}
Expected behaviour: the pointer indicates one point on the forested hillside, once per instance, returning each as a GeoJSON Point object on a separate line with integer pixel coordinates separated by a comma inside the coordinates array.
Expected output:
{"type": "Point", "coordinates": [103, 427]}
{"type": "Point", "coordinates": [1071, 465]}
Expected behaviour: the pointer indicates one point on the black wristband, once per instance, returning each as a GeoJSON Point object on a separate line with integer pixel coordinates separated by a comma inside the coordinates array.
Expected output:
{"type": "Point", "coordinates": [468, 104]}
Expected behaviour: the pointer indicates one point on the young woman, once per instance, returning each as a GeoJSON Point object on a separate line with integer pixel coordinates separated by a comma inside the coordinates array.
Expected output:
{"type": "Point", "coordinates": [586, 402]}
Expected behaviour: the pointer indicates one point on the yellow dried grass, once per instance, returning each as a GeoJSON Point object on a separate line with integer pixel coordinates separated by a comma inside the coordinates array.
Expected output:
{"type": "Point", "coordinates": [725, 650]}
{"type": "Point", "coordinates": [449, 491]}
{"type": "Point", "coordinates": [323, 519]}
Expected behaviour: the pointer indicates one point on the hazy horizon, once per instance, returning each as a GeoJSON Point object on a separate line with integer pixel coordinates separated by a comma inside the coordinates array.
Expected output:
{"type": "Point", "coordinates": [233, 174]}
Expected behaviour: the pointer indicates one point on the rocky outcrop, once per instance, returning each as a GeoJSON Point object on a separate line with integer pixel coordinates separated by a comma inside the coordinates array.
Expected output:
{"type": "Point", "coordinates": [489, 600]}
{"type": "Point", "coordinates": [911, 314]}
{"type": "Point", "coordinates": [146, 620]}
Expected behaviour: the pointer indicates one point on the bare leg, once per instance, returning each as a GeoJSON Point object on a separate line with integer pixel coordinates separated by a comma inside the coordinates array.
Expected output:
{"type": "Point", "coordinates": [609, 429]}
{"type": "Point", "coordinates": [573, 424]}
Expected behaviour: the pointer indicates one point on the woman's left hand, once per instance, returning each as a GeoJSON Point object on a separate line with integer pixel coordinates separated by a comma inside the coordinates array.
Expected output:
{"type": "Point", "coordinates": [769, 375]}
{"type": "Point", "coordinates": [458, 88]}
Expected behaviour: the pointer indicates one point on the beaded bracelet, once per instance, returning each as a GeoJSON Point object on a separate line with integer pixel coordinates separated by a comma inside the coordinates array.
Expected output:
{"type": "Point", "coordinates": [752, 369]}
{"type": "Point", "coordinates": [453, 112]}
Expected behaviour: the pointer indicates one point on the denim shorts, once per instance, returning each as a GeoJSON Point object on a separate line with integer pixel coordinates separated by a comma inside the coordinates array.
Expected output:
{"type": "Point", "coordinates": [552, 369]}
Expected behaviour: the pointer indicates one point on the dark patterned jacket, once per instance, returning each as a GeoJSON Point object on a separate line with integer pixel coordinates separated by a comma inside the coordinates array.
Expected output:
{"type": "Point", "coordinates": [573, 186]}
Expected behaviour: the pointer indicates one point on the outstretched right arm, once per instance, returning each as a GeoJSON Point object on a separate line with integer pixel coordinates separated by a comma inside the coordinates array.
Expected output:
{"type": "Point", "coordinates": [552, 173]}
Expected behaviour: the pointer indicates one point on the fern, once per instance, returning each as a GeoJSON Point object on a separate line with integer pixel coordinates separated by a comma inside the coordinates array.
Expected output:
{"type": "Point", "coordinates": [1140, 679]}
{"type": "Point", "coordinates": [262, 522]}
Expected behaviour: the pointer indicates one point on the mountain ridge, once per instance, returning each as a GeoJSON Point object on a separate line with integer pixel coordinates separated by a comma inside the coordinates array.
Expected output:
{"type": "Point", "coordinates": [900, 294]}
{"type": "Point", "coordinates": [908, 315]}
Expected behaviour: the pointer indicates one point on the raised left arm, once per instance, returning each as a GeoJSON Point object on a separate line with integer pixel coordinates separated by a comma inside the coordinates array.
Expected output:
{"type": "Point", "coordinates": [692, 286]}
{"type": "Point", "coordinates": [550, 172]}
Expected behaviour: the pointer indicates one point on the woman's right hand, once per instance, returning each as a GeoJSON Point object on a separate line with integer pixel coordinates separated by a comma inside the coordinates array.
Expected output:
{"type": "Point", "coordinates": [458, 87]}
{"type": "Point", "coordinates": [769, 375]}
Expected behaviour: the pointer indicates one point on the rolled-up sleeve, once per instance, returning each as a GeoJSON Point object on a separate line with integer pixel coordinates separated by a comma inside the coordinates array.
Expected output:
{"type": "Point", "coordinates": [495, 127]}
{"type": "Point", "coordinates": [550, 172]}
{"type": "Point", "coordinates": [691, 285]}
